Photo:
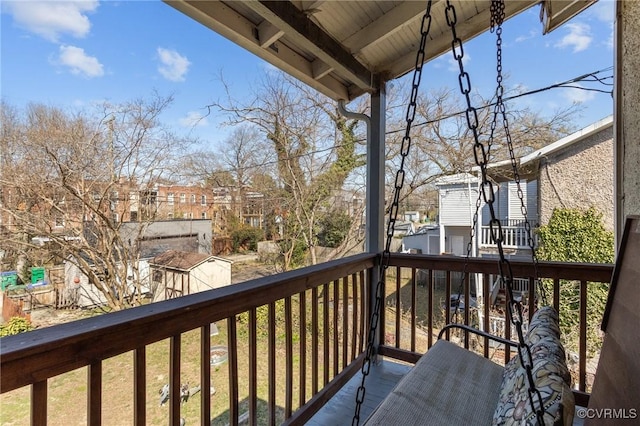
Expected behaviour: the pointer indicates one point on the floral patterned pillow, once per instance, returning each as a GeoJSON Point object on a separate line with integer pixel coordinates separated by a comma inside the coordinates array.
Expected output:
{"type": "Point", "coordinates": [550, 374]}
{"type": "Point", "coordinates": [544, 323]}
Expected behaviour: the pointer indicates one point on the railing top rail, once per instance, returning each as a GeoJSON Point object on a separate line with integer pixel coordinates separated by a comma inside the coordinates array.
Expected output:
{"type": "Point", "coordinates": [35, 356]}
{"type": "Point", "coordinates": [596, 272]}
{"type": "Point", "coordinates": [30, 357]}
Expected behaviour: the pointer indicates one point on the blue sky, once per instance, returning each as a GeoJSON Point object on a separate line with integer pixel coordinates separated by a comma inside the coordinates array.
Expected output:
{"type": "Point", "coordinates": [72, 54]}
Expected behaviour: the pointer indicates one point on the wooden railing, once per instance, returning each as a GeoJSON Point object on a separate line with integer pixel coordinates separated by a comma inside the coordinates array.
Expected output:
{"type": "Point", "coordinates": [419, 286]}
{"type": "Point", "coordinates": [293, 341]}
{"type": "Point", "coordinates": [514, 237]}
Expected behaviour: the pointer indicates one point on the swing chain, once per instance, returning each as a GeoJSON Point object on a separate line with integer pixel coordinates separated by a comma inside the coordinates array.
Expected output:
{"type": "Point", "coordinates": [497, 18]}
{"type": "Point", "coordinates": [393, 213]}
{"type": "Point", "coordinates": [481, 156]}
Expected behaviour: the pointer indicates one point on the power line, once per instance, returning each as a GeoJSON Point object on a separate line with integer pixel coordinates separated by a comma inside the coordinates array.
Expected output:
{"type": "Point", "coordinates": [589, 77]}
{"type": "Point", "coordinates": [564, 84]}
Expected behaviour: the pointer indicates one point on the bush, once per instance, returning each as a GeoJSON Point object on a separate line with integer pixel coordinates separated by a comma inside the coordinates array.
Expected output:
{"type": "Point", "coordinates": [334, 228]}
{"type": "Point", "coordinates": [298, 254]}
{"type": "Point", "coordinates": [246, 238]}
{"type": "Point", "coordinates": [574, 235]}
{"type": "Point", "coordinates": [16, 325]}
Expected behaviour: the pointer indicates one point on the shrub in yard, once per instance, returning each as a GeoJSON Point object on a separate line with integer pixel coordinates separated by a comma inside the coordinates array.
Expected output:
{"type": "Point", "coordinates": [333, 229]}
{"type": "Point", "coordinates": [574, 235]}
{"type": "Point", "coordinates": [246, 238]}
{"type": "Point", "coordinates": [15, 325]}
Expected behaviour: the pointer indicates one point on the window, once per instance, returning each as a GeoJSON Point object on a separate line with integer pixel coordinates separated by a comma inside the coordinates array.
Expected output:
{"type": "Point", "coordinates": [203, 200]}
{"type": "Point", "coordinates": [204, 215]}
{"type": "Point", "coordinates": [114, 197]}
{"type": "Point", "coordinates": [157, 276]}
{"type": "Point", "coordinates": [183, 198]}
{"type": "Point", "coordinates": [170, 198]}
{"type": "Point", "coordinates": [59, 222]}
{"type": "Point", "coordinates": [115, 218]}
{"type": "Point", "coordinates": [133, 216]}
{"type": "Point", "coordinates": [193, 198]}
{"type": "Point", "coordinates": [170, 216]}
{"type": "Point", "coordinates": [185, 215]}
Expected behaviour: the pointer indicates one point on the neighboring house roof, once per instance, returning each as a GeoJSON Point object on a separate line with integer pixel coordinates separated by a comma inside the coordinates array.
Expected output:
{"type": "Point", "coordinates": [456, 179]}
{"type": "Point", "coordinates": [528, 162]}
{"type": "Point", "coordinates": [181, 260]}
{"type": "Point", "coordinates": [568, 141]}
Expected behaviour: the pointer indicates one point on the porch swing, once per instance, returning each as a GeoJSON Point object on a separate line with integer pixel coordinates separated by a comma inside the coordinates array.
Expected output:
{"type": "Point", "coordinates": [453, 385]}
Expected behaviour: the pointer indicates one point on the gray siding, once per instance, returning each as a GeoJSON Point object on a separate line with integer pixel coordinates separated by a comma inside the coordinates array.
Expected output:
{"type": "Point", "coordinates": [532, 202]}
{"type": "Point", "coordinates": [457, 204]}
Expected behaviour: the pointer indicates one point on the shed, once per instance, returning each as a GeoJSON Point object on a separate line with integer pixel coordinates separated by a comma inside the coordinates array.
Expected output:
{"type": "Point", "coordinates": [177, 273]}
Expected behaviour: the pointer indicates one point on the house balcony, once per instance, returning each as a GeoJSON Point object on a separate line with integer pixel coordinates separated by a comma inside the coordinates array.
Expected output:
{"type": "Point", "coordinates": [294, 341]}
{"type": "Point", "coordinates": [515, 237]}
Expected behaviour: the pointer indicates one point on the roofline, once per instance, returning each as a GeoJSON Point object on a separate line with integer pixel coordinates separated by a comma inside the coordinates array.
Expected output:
{"type": "Point", "coordinates": [568, 140]}
{"type": "Point", "coordinates": [206, 259]}
{"type": "Point", "coordinates": [555, 146]}
{"type": "Point", "coordinates": [456, 179]}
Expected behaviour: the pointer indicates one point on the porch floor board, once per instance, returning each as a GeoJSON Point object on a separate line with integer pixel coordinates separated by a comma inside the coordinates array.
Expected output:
{"type": "Point", "coordinates": [381, 380]}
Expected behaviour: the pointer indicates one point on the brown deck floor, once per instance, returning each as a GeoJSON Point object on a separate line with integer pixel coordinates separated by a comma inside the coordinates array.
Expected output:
{"type": "Point", "coordinates": [380, 381]}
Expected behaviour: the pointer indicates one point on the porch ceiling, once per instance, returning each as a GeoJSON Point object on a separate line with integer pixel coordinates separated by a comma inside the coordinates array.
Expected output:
{"type": "Point", "coordinates": [343, 48]}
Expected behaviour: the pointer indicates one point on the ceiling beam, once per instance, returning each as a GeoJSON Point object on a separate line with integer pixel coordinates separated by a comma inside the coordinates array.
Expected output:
{"type": "Point", "coordinates": [385, 26]}
{"type": "Point", "coordinates": [268, 34]}
{"type": "Point", "coordinates": [466, 30]}
{"type": "Point", "coordinates": [304, 32]}
{"type": "Point", "coordinates": [235, 27]}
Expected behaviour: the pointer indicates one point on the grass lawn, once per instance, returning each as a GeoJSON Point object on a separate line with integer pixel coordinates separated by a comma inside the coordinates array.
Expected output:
{"type": "Point", "coordinates": [67, 398]}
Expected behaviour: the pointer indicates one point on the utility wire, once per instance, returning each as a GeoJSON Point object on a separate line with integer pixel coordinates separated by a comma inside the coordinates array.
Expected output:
{"type": "Point", "coordinates": [590, 77]}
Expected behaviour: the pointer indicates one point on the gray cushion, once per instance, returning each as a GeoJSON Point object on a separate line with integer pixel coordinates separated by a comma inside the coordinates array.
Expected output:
{"type": "Point", "coordinates": [447, 378]}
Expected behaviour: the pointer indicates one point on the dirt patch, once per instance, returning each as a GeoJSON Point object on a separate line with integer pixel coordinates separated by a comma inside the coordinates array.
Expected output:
{"type": "Point", "coordinates": [46, 317]}
{"type": "Point", "coordinates": [242, 272]}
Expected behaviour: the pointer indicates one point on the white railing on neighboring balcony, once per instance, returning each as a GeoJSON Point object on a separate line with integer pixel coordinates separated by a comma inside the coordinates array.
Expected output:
{"type": "Point", "coordinates": [514, 237]}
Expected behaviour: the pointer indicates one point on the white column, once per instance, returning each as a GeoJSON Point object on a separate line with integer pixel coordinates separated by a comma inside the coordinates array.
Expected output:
{"type": "Point", "coordinates": [374, 242]}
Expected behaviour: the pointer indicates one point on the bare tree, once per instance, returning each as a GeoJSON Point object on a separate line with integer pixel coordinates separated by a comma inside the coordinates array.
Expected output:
{"type": "Point", "coordinates": [442, 143]}
{"type": "Point", "coordinates": [72, 179]}
{"type": "Point", "coordinates": [315, 151]}
{"type": "Point", "coordinates": [229, 171]}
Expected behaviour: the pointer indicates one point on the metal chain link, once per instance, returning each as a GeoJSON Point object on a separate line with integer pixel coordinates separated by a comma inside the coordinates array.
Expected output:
{"type": "Point", "coordinates": [393, 212]}
{"type": "Point", "coordinates": [497, 18]}
{"type": "Point", "coordinates": [481, 156]}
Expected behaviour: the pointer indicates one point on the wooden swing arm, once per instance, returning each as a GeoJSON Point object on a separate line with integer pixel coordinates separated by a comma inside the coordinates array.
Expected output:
{"type": "Point", "coordinates": [477, 332]}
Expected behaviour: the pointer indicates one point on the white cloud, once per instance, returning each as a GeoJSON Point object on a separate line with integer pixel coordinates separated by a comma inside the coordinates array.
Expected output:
{"type": "Point", "coordinates": [579, 37]}
{"type": "Point", "coordinates": [578, 96]}
{"type": "Point", "coordinates": [79, 62]}
{"type": "Point", "coordinates": [173, 65]}
{"type": "Point", "coordinates": [51, 19]}
{"type": "Point", "coordinates": [193, 119]}
{"type": "Point", "coordinates": [453, 63]}
{"type": "Point", "coordinates": [604, 11]}
{"type": "Point", "coordinates": [530, 35]}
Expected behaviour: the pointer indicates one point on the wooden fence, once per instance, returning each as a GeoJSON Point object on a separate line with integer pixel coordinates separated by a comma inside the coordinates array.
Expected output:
{"type": "Point", "coordinates": [12, 308]}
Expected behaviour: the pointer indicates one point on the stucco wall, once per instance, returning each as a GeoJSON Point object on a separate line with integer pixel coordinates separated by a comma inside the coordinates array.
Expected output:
{"type": "Point", "coordinates": [579, 177]}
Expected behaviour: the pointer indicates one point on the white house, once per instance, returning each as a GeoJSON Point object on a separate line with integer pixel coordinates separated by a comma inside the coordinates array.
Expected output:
{"type": "Point", "coordinates": [177, 273]}
{"type": "Point", "coordinates": [575, 171]}
{"type": "Point", "coordinates": [457, 195]}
